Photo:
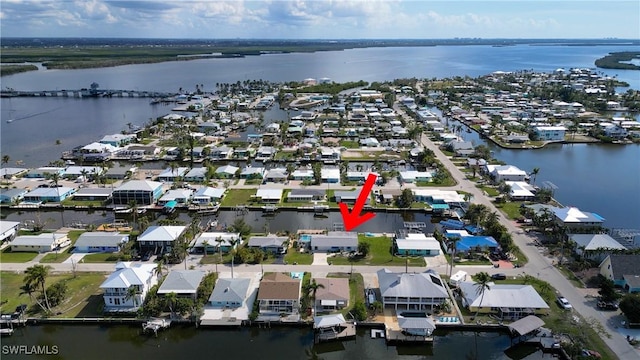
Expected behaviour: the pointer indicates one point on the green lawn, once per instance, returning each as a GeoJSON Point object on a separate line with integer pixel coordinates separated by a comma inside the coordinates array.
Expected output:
{"type": "Point", "coordinates": [350, 144]}
{"type": "Point", "coordinates": [100, 257]}
{"type": "Point", "coordinates": [6, 256]}
{"type": "Point", "coordinates": [491, 191]}
{"type": "Point", "coordinates": [89, 203]}
{"type": "Point", "coordinates": [356, 289]}
{"type": "Point", "coordinates": [236, 197]}
{"type": "Point", "coordinates": [83, 293]}
{"type": "Point", "coordinates": [379, 254]}
{"type": "Point", "coordinates": [297, 257]}
{"type": "Point", "coordinates": [55, 258]}
{"type": "Point", "coordinates": [511, 209]}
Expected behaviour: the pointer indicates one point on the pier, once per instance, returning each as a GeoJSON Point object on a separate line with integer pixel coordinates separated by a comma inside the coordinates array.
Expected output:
{"type": "Point", "coordinates": [93, 92]}
{"type": "Point", "coordinates": [155, 325]}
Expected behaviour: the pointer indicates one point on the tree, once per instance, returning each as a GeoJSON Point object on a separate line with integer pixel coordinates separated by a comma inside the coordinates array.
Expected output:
{"type": "Point", "coordinates": [160, 269]}
{"type": "Point", "coordinates": [364, 248]}
{"type": "Point", "coordinates": [5, 159]}
{"type": "Point", "coordinates": [219, 240]}
{"type": "Point", "coordinates": [405, 199]}
{"type": "Point", "coordinates": [607, 290]}
{"type": "Point", "coordinates": [240, 226]}
{"type": "Point", "coordinates": [37, 277]}
{"type": "Point", "coordinates": [630, 307]}
{"type": "Point", "coordinates": [534, 173]}
{"type": "Point", "coordinates": [311, 289]}
{"type": "Point", "coordinates": [232, 245]}
{"type": "Point", "coordinates": [359, 311]}
{"type": "Point", "coordinates": [132, 293]}
{"type": "Point", "coordinates": [133, 206]}
{"type": "Point", "coordinates": [482, 280]}
{"type": "Point", "coordinates": [170, 300]}
{"type": "Point", "coordinates": [205, 245]}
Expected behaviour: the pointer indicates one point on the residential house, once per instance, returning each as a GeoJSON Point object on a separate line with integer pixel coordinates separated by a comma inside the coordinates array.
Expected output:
{"type": "Point", "coordinates": [265, 153]}
{"type": "Point", "coordinates": [413, 176]}
{"type": "Point", "coordinates": [329, 154]}
{"type": "Point", "coordinates": [100, 242]}
{"type": "Point", "coordinates": [92, 194]}
{"type": "Point", "coordinates": [180, 196]}
{"type": "Point", "coordinates": [329, 175]}
{"type": "Point", "coordinates": [475, 243]}
{"type": "Point", "coordinates": [549, 133]}
{"type": "Point", "coordinates": [221, 152]}
{"type": "Point", "coordinates": [127, 287]}
{"type": "Point", "coordinates": [8, 230]}
{"type": "Point", "coordinates": [360, 175]}
{"type": "Point", "coordinates": [11, 172]}
{"type": "Point", "coordinates": [595, 246]}
{"type": "Point", "coordinates": [82, 172]}
{"type": "Point", "coordinates": [12, 196]}
{"type": "Point", "coordinates": [416, 244]}
{"type": "Point", "coordinates": [506, 173]}
{"type": "Point", "coordinates": [227, 171]}
{"type": "Point", "coordinates": [207, 195]}
{"type": "Point", "coordinates": [347, 197]}
{"type": "Point", "coordinates": [172, 175]}
{"type": "Point", "coordinates": [44, 172]}
{"type": "Point", "coordinates": [332, 294]}
{"type": "Point", "coordinates": [120, 172]}
{"type": "Point", "coordinates": [521, 191]}
{"type": "Point", "coordinates": [574, 218]}
{"type": "Point", "coordinates": [305, 195]}
{"type": "Point", "coordinates": [95, 152]}
{"type": "Point", "coordinates": [118, 140]}
{"type": "Point", "coordinates": [160, 239]}
{"type": "Point", "coordinates": [623, 270]}
{"type": "Point", "coordinates": [304, 174]}
{"type": "Point", "coordinates": [208, 239]}
{"type": "Point", "coordinates": [334, 241]}
{"type": "Point", "coordinates": [278, 175]}
{"type": "Point", "coordinates": [198, 174]}
{"type": "Point", "coordinates": [279, 294]}
{"type": "Point", "coordinates": [437, 196]}
{"type": "Point", "coordinates": [411, 291]}
{"type": "Point", "coordinates": [270, 196]}
{"type": "Point", "coordinates": [507, 301]}
{"type": "Point", "coordinates": [143, 192]}
{"type": "Point", "coordinates": [184, 283]}
{"type": "Point", "coordinates": [230, 293]}
{"type": "Point", "coordinates": [53, 194]}
{"type": "Point", "coordinates": [41, 243]}
{"type": "Point", "coordinates": [252, 172]}
{"type": "Point", "coordinates": [271, 243]}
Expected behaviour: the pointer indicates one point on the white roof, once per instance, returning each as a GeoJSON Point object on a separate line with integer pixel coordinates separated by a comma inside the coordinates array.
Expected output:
{"type": "Point", "coordinates": [426, 284]}
{"type": "Point", "coordinates": [44, 239]}
{"type": "Point", "coordinates": [508, 170]}
{"type": "Point", "coordinates": [503, 295]}
{"type": "Point", "coordinates": [418, 244]}
{"type": "Point", "coordinates": [447, 196]}
{"type": "Point", "coordinates": [269, 194]}
{"type": "Point", "coordinates": [574, 215]}
{"type": "Point", "coordinates": [229, 169]}
{"type": "Point", "coordinates": [182, 282]}
{"type": "Point", "coordinates": [99, 147]}
{"type": "Point", "coordinates": [330, 173]}
{"type": "Point", "coordinates": [520, 188]}
{"type": "Point", "coordinates": [162, 233]}
{"type": "Point", "coordinates": [211, 237]}
{"type": "Point", "coordinates": [139, 185]}
{"type": "Point", "coordinates": [596, 241]}
{"type": "Point", "coordinates": [209, 192]}
{"type": "Point", "coordinates": [413, 174]}
{"type": "Point", "coordinates": [328, 320]}
{"type": "Point", "coordinates": [128, 274]}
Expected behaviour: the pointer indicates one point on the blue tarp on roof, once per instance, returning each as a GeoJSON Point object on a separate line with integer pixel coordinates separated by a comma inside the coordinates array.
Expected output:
{"type": "Point", "coordinates": [452, 224]}
{"type": "Point", "coordinates": [467, 243]}
{"type": "Point", "coordinates": [171, 204]}
{"type": "Point", "coordinates": [475, 230]}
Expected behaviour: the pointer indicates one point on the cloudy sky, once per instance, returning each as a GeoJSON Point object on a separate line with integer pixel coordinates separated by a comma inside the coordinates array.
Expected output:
{"type": "Point", "coordinates": [317, 19]}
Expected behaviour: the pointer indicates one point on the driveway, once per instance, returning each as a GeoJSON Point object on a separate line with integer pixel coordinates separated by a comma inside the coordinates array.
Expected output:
{"type": "Point", "coordinates": [74, 258]}
{"type": "Point", "coordinates": [320, 258]}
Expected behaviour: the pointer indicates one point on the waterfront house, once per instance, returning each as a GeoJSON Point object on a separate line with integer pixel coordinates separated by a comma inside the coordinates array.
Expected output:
{"type": "Point", "coordinates": [95, 152]}
{"type": "Point", "coordinates": [44, 195]}
{"type": "Point", "coordinates": [521, 191]}
{"type": "Point", "coordinates": [413, 176]}
{"type": "Point", "coordinates": [279, 294]}
{"type": "Point", "coordinates": [265, 153]}
{"type": "Point", "coordinates": [549, 133]}
{"type": "Point", "coordinates": [360, 175]}
{"type": "Point", "coordinates": [44, 172]}
{"type": "Point", "coordinates": [160, 239]}
{"type": "Point", "coordinates": [230, 293]}
{"type": "Point", "coordinates": [594, 246]}
{"type": "Point", "coordinates": [118, 140]}
{"type": "Point", "coordinates": [100, 242]}
{"type": "Point", "coordinates": [623, 270]}
{"type": "Point", "coordinates": [83, 173]}
{"type": "Point", "coordinates": [573, 218]}
{"type": "Point", "coordinates": [334, 241]}
{"type": "Point", "coordinates": [329, 175]}
{"type": "Point", "coordinates": [271, 243]}
{"type": "Point", "coordinates": [252, 172]}
{"type": "Point", "coordinates": [475, 243]}
{"type": "Point", "coordinates": [329, 154]}
{"type": "Point", "coordinates": [507, 301]}
{"type": "Point", "coordinates": [305, 174]}
{"type": "Point", "coordinates": [120, 172]}
{"type": "Point", "coordinates": [506, 173]}
{"type": "Point", "coordinates": [184, 283]}
{"type": "Point", "coordinates": [416, 326]}
{"type": "Point", "coordinates": [347, 197]}
{"type": "Point", "coordinates": [12, 196]}
{"type": "Point", "coordinates": [11, 172]}
{"type": "Point", "coordinates": [416, 244]}
{"type": "Point", "coordinates": [411, 291]}
{"type": "Point", "coordinates": [269, 196]}
{"type": "Point", "coordinates": [213, 246]}
{"type": "Point", "coordinates": [332, 295]}
{"type": "Point", "coordinates": [221, 152]}
{"type": "Point", "coordinates": [207, 195]}
{"type": "Point", "coordinates": [143, 192]}
{"type": "Point", "coordinates": [180, 196]}
{"type": "Point", "coordinates": [437, 196]}
{"type": "Point", "coordinates": [278, 175]}
{"type": "Point", "coordinates": [117, 288]}
{"type": "Point", "coordinates": [172, 175]}
{"type": "Point", "coordinates": [227, 171]}
{"type": "Point", "coordinates": [305, 195]}
{"type": "Point", "coordinates": [198, 174]}
{"type": "Point", "coordinates": [41, 243]}
{"type": "Point", "coordinates": [8, 230]}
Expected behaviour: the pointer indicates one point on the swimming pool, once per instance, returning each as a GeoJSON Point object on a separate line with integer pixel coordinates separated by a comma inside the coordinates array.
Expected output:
{"type": "Point", "coordinates": [305, 238]}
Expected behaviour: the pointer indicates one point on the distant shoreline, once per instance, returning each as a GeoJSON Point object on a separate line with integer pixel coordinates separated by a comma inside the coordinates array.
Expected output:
{"type": "Point", "coordinates": [84, 53]}
{"type": "Point", "coordinates": [615, 60]}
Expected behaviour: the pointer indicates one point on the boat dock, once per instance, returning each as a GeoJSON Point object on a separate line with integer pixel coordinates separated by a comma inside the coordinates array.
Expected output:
{"type": "Point", "coordinates": [398, 336]}
{"type": "Point", "coordinates": [343, 331]}
{"type": "Point", "coordinates": [155, 325]}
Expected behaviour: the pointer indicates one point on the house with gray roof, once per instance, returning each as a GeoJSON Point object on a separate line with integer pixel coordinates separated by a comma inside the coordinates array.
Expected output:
{"type": "Point", "coordinates": [100, 242]}
{"type": "Point", "coordinates": [230, 293]}
{"type": "Point", "coordinates": [305, 195]}
{"type": "Point", "coordinates": [52, 194]}
{"type": "Point", "coordinates": [171, 175]}
{"type": "Point", "coordinates": [334, 241]}
{"type": "Point", "coordinates": [8, 230]}
{"type": "Point", "coordinates": [270, 243]}
{"type": "Point", "coordinates": [227, 171]}
{"type": "Point", "coordinates": [207, 195]}
{"type": "Point", "coordinates": [11, 196]}
{"type": "Point", "coordinates": [208, 239]}
{"type": "Point", "coordinates": [120, 172]}
{"type": "Point", "coordinates": [269, 195]}
{"type": "Point", "coordinates": [252, 172]}
{"type": "Point", "coordinates": [411, 291]}
{"type": "Point", "coordinates": [40, 243]}
{"type": "Point", "coordinates": [143, 192]}
{"type": "Point", "coordinates": [347, 197]}
{"type": "Point", "coordinates": [276, 175]}
{"type": "Point", "coordinates": [10, 172]}
{"type": "Point", "coordinates": [507, 301]}
{"type": "Point", "coordinates": [198, 174]}
{"type": "Point", "coordinates": [623, 270]}
{"type": "Point", "coordinates": [92, 194]}
{"type": "Point", "coordinates": [160, 239]}
{"type": "Point", "coordinates": [183, 283]}
{"type": "Point", "coordinates": [595, 246]}
{"type": "Point", "coordinates": [127, 277]}
{"type": "Point", "coordinates": [180, 196]}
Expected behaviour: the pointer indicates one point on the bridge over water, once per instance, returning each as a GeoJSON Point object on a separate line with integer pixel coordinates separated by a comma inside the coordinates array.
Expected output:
{"type": "Point", "coordinates": [87, 93]}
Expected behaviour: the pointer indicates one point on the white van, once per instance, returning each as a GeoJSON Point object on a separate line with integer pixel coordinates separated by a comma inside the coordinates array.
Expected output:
{"type": "Point", "coordinates": [457, 278]}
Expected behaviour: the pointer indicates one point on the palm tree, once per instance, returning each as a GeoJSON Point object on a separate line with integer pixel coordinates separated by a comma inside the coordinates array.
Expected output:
{"type": "Point", "coordinates": [132, 293]}
{"type": "Point", "coordinates": [171, 299]}
{"type": "Point", "coordinates": [232, 244]}
{"type": "Point", "coordinates": [452, 243]}
{"type": "Point", "coordinates": [205, 244]}
{"type": "Point", "coordinates": [534, 172]}
{"type": "Point", "coordinates": [30, 289]}
{"type": "Point", "coordinates": [159, 269]}
{"type": "Point", "coordinates": [37, 277]}
{"type": "Point", "coordinates": [482, 284]}
{"type": "Point", "coordinates": [219, 240]}
{"type": "Point", "coordinates": [133, 206]}
{"type": "Point", "coordinates": [311, 290]}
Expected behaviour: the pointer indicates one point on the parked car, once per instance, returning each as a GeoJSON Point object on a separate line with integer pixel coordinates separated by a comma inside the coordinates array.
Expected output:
{"type": "Point", "coordinates": [499, 276]}
{"type": "Point", "coordinates": [564, 303]}
{"type": "Point", "coordinates": [147, 256]}
{"type": "Point", "coordinates": [607, 305]}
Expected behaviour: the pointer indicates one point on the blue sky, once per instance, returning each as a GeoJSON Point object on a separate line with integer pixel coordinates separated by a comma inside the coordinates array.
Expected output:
{"type": "Point", "coordinates": [320, 19]}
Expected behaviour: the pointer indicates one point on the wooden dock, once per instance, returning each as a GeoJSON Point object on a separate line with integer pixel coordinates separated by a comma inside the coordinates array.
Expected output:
{"type": "Point", "coordinates": [343, 331]}
{"type": "Point", "coordinates": [396, 336]}
{"type": "Point", "coordinates": [155, 325]}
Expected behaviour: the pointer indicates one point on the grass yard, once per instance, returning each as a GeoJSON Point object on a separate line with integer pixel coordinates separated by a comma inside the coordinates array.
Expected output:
{"type": "Point", "coordinates": [491, 191]}
{"type": "Point", "coordinates": [6, 256]}
{"type": "Point", "coordinates": [511, 209]}
{"type": "Point", "coordinates": [356, 289]}
{"type": "Point", "coordinates": [83, 294]}
{"type": "Point", "coordinates": [297, 257]}
{"type": "Point", "coordinates": [100, 258]}
{"type": "Point", "coordinates": [235, 197]}
{"type": "Point", "coordinates": [55, 258]}
{"type": "Point", "coordinates": [379, 254]}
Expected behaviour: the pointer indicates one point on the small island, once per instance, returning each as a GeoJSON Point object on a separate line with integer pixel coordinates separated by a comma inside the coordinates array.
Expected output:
{"type": "Point", "coordinates": [615, 60]}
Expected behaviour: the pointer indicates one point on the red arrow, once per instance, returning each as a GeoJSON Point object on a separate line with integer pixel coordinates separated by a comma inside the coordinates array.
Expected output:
{"type": "Point", "coordinates": [354, 219]}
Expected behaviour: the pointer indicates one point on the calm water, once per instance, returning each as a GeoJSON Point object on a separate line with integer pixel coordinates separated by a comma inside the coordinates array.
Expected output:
{"type": "Point", "coordinates": [602, 179]}
{"type": "Point", "coordinates": [253, 343]}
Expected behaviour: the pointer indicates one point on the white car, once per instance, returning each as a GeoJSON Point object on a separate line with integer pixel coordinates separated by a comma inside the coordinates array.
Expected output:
{"type": "Point", "coordinates": [564, 303]}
